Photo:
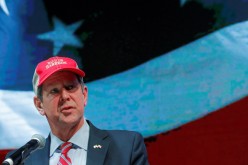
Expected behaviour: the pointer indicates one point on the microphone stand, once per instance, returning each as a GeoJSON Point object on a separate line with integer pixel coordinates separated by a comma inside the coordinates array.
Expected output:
{"type": "Point", "coordinates": [25, 154]}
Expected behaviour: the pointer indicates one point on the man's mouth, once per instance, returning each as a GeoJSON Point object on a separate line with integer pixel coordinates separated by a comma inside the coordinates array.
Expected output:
{"type": "Point", "coordinates": [66, 109]}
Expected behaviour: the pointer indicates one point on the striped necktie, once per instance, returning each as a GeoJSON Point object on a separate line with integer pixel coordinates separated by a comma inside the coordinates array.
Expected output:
{"type": "Point", "coordinates": [64, 159]}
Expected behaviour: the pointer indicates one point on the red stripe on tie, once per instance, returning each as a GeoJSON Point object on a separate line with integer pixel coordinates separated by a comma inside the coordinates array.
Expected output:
{"type": "Point", "coordinates": [64, 159]}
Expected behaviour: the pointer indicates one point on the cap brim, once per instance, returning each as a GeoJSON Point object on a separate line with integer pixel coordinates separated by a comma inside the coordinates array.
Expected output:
{"type": "Point", "coordinates": [74, 70]}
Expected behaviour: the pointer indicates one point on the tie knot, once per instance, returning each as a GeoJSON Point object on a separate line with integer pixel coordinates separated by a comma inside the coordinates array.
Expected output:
{"type": "Point", "coordinates": [65, 147]}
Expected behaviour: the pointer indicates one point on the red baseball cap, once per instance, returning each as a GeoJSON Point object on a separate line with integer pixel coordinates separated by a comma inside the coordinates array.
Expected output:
{"type": "Point", "coordinates": [46, 68]}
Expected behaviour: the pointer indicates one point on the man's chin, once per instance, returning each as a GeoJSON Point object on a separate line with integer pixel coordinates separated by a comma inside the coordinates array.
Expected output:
{"type": "Point", "coordinates": [70, 121]}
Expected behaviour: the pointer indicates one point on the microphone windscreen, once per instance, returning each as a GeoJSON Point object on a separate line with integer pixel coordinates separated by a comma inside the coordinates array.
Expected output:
{"type": "Point", "coordinates": [40, 139]}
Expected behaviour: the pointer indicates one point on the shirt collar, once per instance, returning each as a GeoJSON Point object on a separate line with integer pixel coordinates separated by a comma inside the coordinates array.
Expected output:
{"type": "Point", "coordinates": [76, 139]}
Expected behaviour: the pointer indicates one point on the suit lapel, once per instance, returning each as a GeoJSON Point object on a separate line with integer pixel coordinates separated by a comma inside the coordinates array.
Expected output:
{"type": "Point", "coordinates": [97, 146]}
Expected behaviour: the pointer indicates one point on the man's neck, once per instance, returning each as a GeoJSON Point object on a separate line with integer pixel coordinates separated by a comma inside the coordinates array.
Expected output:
{"type": "Point", "coordinates": [67, 131]}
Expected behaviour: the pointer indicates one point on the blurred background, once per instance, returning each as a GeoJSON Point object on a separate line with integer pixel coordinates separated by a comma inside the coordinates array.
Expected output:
{"type": "Point", "coordinates": [175, 71]}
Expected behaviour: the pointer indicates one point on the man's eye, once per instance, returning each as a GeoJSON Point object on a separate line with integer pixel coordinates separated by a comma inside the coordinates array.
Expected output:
{"type": "Point", "coordinates": [70, 87]}
{"type": "Point", "coordinates": [54, 91]}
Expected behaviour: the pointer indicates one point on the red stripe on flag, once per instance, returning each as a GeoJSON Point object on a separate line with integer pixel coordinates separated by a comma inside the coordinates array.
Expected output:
{"type": "Point", "coordinates": [218, 138]}
{"type": "Point", "coordinates": [3, 154]}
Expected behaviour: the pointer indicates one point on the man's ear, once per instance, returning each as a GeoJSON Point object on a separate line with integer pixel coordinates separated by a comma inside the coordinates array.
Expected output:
{"type": "Point", "coordinates": [39, 105]}
{"type": "Point", "coordinates": [85, 93]}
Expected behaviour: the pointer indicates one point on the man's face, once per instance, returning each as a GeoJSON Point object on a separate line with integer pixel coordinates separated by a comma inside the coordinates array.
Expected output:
{"type": "Point", "coordinates": [63, 100]}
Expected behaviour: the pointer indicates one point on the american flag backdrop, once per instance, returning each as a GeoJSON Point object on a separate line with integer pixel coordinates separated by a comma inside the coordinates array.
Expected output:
{"type": "Point", "coordinates": [174, 71]}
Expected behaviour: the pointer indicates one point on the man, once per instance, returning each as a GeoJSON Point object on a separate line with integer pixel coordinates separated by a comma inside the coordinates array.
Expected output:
{"type": "Point", "coordinates": [61, 96]}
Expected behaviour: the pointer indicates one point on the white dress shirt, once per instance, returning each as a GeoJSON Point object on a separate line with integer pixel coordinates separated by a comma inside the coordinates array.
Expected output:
{"type": "Point", "coordinates": [78, 153]}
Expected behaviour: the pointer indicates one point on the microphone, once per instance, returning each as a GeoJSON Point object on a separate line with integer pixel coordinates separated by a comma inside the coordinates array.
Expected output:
{"type": "Point", "coordinates": [37, 142]}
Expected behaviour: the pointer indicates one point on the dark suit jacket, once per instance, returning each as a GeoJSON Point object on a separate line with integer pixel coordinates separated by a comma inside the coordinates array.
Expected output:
{"type": "Point", "coordinates": [118, 148]}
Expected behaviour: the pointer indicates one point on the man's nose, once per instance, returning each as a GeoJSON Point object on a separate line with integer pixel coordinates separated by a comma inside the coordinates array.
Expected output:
{"type": "Point", "coordinates": [64, 95]}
